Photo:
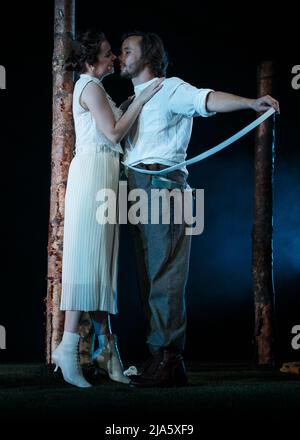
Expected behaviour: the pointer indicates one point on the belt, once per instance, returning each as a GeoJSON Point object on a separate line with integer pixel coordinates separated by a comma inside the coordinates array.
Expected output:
{"type": "Point", "coordinates": [158, 181]}
{"type": "Point", "coordinates": [150, 166]}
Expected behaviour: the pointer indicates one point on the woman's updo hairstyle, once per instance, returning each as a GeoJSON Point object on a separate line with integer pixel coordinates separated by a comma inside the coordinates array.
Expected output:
{"type": "Point", "coordinates": [85, 49]}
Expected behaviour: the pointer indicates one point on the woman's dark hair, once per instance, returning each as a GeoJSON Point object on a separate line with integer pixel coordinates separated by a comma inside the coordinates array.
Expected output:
{"type": "Point", "coordinates": [153, 51]}
{"type": "Point", "coordinates": [85, 49]}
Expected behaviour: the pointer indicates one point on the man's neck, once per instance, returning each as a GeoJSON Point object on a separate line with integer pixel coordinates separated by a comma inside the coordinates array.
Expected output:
{"type": "Point", "coordinates": [142, 77]}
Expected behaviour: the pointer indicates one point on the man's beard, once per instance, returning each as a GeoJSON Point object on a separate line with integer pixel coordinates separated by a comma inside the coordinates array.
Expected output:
{"type": "Point", "coordinates": [125, 74]}
{"type": "Point", "coordinates": [137, 67]}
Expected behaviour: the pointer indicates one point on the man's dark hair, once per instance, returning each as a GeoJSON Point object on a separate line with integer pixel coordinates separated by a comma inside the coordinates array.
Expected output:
{"type": "Point", "coordinates": [85, 49]}
{"type": "Point", "coordinates": [153, 51]}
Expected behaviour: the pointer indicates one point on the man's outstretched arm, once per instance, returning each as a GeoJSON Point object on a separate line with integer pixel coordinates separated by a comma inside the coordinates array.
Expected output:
{"type": "Point", "coordinates": [226, 102]}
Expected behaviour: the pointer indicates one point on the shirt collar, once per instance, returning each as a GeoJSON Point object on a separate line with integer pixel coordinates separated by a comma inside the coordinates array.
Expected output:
{"type": "Point", "coordinates": [139, 88]}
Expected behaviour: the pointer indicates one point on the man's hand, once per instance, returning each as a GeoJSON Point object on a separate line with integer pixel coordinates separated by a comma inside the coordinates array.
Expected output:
{"type": "Point", "coordinates": [264, 103]}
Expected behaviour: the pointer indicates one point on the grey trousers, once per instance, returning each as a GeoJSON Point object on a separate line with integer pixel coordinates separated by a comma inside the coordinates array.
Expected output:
{"type": "Point", "coordinates": [162, 254]}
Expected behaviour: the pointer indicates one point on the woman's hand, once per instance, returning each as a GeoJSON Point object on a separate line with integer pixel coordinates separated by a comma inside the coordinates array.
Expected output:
{"type": "Point", "coordinates": [150, 91]}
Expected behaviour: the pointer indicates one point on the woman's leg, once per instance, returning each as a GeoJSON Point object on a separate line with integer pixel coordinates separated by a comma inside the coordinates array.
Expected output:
{"type": "Point", "coordinates": [66, 355]}
{"type": "Point", "coordinates": [101, 322]}
{"type": "Point", "coordinates": [102, 330]}
{"type": "Point", "coordinates": [72, 319]}
{"type": "Point", "coordinates": [107, 355]}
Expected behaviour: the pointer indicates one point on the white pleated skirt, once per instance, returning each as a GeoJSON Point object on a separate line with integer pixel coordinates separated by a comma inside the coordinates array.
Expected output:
{"type": "Point", "coordinates": [90, 249]}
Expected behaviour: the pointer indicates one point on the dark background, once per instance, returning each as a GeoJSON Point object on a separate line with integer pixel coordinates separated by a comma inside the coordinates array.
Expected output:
{"type": "Point", "coordinates": [217, 46]}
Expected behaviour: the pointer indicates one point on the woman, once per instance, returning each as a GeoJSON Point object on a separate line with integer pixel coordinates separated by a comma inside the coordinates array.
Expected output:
{"type": "Point", "coordinates": [90, 254]}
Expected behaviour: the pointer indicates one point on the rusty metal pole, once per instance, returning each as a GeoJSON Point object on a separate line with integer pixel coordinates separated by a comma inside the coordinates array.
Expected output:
{"type": "Point", "coordinates": [62, 151]}
{"type": "Point", "coordinates": [262, 263]}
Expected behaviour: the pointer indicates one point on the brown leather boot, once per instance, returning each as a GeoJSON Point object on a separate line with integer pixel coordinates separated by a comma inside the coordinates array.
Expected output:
{"type": "Point", "coordinates": [166, 370]}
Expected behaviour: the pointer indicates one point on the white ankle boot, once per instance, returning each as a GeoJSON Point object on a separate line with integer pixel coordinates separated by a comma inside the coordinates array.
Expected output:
{"type": "Point", "coordinates": [107, 358]}
{"type": "Point", "coordinates": [66, 357]}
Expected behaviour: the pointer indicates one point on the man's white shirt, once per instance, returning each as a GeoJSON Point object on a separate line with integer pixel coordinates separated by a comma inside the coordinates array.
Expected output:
{"type": "Point", "coordinates": [163, 130]}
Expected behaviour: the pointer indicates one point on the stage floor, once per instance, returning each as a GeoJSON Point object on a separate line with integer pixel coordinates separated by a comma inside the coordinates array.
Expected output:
{"type": "Point", "coordinates": [215, 392]}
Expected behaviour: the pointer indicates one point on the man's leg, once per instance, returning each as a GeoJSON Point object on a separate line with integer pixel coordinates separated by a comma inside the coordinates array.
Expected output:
{"type": "Point", "coordinates": [166, 251]}
{"type": "Point", "coordinates": [168, 257]}
{"type": "Point", "coordinates": [142, 271]}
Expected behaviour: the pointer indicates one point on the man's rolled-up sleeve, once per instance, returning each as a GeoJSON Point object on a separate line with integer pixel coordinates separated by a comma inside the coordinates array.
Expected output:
{"type": "Point", "coordinates": [189, 101]}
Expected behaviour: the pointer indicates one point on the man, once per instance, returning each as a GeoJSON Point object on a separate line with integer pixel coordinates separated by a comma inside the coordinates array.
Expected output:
{"type": "Point", "coordinates": [159, 139]}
